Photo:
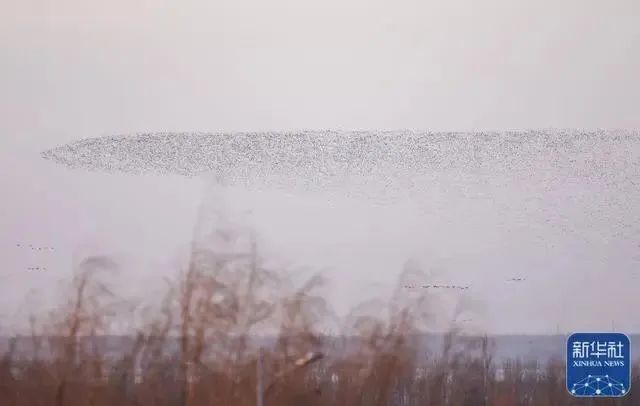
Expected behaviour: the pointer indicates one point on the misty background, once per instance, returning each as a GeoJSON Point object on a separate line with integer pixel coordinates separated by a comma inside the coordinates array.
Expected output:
{"type": "Point", "coordinates": [72, 69]}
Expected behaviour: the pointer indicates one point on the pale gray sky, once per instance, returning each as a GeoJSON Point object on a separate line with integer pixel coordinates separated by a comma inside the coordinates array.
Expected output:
{"type": "Point", "coordinates": [71, 69]}
{"type": "Point", "coordinates": [83, 68]}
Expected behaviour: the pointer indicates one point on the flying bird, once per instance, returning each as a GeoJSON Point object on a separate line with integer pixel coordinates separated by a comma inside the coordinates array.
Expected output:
{"type": "Point", "coordinates": [35, 248]}
{"type": "Point", "coordinates": [459, 287]}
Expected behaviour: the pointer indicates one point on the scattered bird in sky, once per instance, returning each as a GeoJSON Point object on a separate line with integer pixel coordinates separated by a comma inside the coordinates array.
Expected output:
{"type": "Point", "coordinates": [459, 287]}
{"type": "Point", "coordinates": [36, 269]}
{"type": "Point", "coordinates": [35, 248]}
{"type": "Point", "coordinates": [516, 279]}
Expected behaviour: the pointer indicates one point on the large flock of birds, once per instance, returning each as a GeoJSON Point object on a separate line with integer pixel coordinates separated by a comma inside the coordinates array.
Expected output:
{"type": "Point", "coordinates": [379, 162]}
{"type": "Point", "coordinates": [376, 162]}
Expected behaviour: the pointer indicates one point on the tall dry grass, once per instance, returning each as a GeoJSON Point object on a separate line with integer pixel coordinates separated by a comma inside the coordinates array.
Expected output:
{"type": "Point", "coordinates": [201, 347]}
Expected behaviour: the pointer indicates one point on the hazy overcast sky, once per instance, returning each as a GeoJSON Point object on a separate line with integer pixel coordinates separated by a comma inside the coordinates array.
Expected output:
{"type": "Point", "coordinates": [83, 68]}
{"type": "Point", "coordinates": [71, 69]}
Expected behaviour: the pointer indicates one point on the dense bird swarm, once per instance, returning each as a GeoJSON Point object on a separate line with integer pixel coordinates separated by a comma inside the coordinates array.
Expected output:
{"type": "Point", "coordinates": [330, 159]}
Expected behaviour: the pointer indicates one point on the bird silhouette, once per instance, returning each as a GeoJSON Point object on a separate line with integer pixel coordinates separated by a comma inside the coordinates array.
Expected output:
{"type": "Point", "coordinates": [35, 248]}
{"type": "Point", "coordinates": [459, 287]}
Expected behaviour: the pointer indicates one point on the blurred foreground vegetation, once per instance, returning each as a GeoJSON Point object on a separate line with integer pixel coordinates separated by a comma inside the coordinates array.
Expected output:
{"type": "Point", "coordinates": [226, 317]}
